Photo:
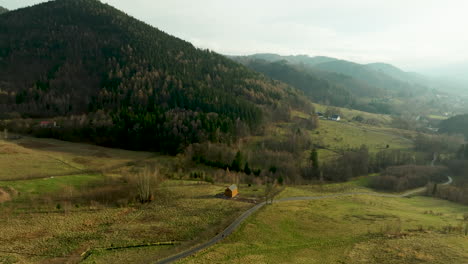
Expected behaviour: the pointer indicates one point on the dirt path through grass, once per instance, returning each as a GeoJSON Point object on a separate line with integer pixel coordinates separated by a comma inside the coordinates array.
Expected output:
{"type": "Point", "coordinates": [232, 227]}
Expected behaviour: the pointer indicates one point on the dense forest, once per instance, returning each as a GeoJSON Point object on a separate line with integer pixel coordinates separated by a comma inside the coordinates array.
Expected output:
{"type": "Point", "coordinates": [455, 125]}
{"type": "Point", "coordinates": [3, 10]}
{"type": "Point", "coordinates": [113, 80]}
{"type": "Point", "coordinates": [321, 86]}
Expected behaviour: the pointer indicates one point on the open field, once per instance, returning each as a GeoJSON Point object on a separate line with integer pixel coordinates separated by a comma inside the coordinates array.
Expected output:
{"type": "Point", "coordinates": [437, 117]}
{"type": "Point", "coordinates": [355, 185]}
{"type": "Point", "coordinates": [181, 212]}
{"type": "Point", "coordinates": [28, 158]}
{"type": "Point", "coordinates": [355, 229]}
{"type": "Point", "coordinates": [38, 226]}
{"type": "Point", "coordinates": [349, 114]}
{"type": "Point", "coordinates": [337, 136]}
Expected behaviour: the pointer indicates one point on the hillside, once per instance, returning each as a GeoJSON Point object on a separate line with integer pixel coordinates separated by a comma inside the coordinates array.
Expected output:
{"type": "Point", "coordinates": [375, 87]}
{"type": "Point", "coordinates": [455, 125]}
{"type": "Point", "coordinates": [378, 75]}
{"type": "Point", "coordinates": [397, 73]}
{"type": "Point", "coordinates": [373, 76]}
{"type": "Point", "coordinates": [320, 86]}
{"type": "Point", "coordinates": [3, 10]}
{"type": "Point", "coordinates": [132, 85]}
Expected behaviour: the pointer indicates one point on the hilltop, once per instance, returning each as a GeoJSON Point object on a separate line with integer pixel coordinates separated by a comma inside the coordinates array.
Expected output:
{"type": "Point", "coordinates": [81, 57]}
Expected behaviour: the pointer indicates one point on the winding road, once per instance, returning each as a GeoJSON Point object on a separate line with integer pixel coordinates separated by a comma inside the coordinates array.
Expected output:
{"type": "Point", "coordinates": [254, 209]}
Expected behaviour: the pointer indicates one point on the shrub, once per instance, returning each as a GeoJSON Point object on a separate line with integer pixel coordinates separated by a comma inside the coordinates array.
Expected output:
{"type": "Point", "coordinates": [146, 180]}
{"type": "Point", "coordinates": [399, 178]}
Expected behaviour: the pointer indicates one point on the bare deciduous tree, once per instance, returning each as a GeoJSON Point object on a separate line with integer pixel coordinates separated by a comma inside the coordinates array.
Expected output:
{"type": "Point", "coordinates": [146, 181]}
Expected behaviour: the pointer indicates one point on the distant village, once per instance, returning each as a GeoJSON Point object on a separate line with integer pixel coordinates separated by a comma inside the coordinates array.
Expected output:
{"type": "Point", "coordinates": [333, 117]}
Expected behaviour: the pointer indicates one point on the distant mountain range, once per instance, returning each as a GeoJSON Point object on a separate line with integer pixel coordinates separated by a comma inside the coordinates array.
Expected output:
{"type": "Point", "coordinates": [371, 87]}
{"type": "Point", "coordinates": [452, 78]}
{"type": "Point", "coordinates": [294, 59]}
{"type": "Point", "coordinates": [378, 74]}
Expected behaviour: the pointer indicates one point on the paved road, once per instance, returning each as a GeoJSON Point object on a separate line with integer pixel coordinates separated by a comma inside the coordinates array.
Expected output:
{"type": "Point", "coordinates": [254, 209]}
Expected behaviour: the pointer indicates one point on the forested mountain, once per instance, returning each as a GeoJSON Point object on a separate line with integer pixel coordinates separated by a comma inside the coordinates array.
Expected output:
{"type": "Point", "coordinates": [320, 86]}
{"type": "Point", "coordinates": [293, 59]}
{"type": "Point", "coordinates": [3, 10]}
{"type": "Point", "coordinates": [455, 125]}
{"type": "Point", "coordinates": [396, 73]}
{"type": "Point", "coordinates": [121, 82]}
{"type": "Point", "coordinates": [372, 76]}
{"type": "Point", "coordinates": [377, 75]}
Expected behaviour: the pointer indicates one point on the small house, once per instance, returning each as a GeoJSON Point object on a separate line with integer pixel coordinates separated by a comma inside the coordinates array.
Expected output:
{"type": "Point", "coordinates": [231, 191]}
{"type": "Point", "coordinates": [47, 124]}
{"type": "Point", "coordinates": [319, 114]}
{"type": "Point", "coordinates": [336, 118]}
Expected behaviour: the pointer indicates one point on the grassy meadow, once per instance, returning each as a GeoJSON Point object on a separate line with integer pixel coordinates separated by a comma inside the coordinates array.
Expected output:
{"type": "Point", "coordinates": [342, 135]}
{"type": "Point", "coordinates": [29, 158]}
{"type": "Point", "coordinates": [47, 218]}
{"type": "Point", "coordinates": [64, 202]}
{"type": "Point", "coordinates": [349, 114]}
{"type": "Point", "coordinates": [183, 213]}
{"type": "Point", "coordinates": [356, 229]}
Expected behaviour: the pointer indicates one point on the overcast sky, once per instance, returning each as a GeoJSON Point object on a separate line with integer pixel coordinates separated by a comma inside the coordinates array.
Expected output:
{"type": "Point", "coordinates": [412, 34]}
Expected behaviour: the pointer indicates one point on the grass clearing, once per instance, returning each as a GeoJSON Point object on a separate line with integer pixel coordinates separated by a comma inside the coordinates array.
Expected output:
{"type": "Point", "coordinates": [336, 136]}
{"type": "Point", "coordinates": [38, 228]}
{"type": "Point", "coordinates": [49, 185]}
{"type": "Point", "coordinates": [355, 229]}
{"type": "Point", "coordinates": [29, 158]}
{"type": "Point", "coordinates": [181, 213]}
{"type": "Point", "coordinates": [437, 117]}
{"type": "Point", "coordinates": [355, 185]}
{"type": "Point", "coordinates": [349, 114]}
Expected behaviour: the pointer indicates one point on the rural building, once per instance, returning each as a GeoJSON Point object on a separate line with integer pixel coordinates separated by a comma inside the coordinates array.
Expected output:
{"type": "Point", "coordinates": [47, 124]}
{"type": "Point", "coordinates": [336, 118]}
{"type": "Point", "coordinates": [231, 191]}
{"type": "Point", "coordinates": [319, 114]}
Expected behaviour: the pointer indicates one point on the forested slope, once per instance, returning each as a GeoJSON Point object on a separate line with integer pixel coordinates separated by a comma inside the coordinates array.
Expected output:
{"type": "Point", "coordinates": [121, 82]}
{"type": "Point", "coordinates": [455, 125]}
{"type": "Point", "coordinates": [3, 10]}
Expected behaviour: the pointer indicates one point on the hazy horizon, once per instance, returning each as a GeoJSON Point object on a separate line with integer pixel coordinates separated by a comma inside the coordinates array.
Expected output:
{"type": "Point", "coordinates": [416, 36]}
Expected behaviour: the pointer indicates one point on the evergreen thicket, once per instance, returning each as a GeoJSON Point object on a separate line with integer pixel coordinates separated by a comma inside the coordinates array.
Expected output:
{"type": "Point", "coordinates": [455, 125]}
